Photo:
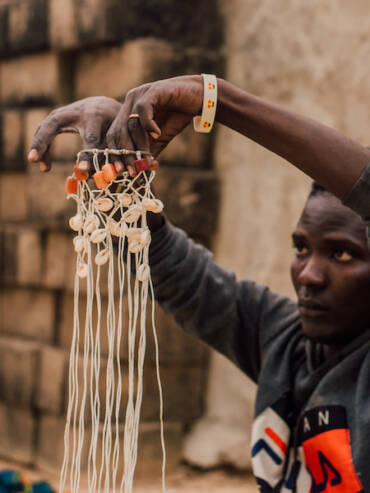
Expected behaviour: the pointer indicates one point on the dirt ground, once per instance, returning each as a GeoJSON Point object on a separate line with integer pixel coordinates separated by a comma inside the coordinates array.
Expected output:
{"type": "Point", "coordinates": [183, 480]}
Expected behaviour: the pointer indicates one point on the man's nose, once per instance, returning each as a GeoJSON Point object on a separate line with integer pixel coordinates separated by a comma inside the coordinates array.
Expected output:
{"type": "Point", "coordinates": [313, 272]}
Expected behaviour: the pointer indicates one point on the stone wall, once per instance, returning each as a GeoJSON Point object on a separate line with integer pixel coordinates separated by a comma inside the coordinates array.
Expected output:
{"type": "Point", "coordinates": [311, 57]}
{"type": "Point", "coordinates": [53, 51]}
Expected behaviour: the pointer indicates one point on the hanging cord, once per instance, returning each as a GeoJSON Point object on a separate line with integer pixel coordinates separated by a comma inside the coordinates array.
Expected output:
{"type": "Point", "coordinates": [115, 209]}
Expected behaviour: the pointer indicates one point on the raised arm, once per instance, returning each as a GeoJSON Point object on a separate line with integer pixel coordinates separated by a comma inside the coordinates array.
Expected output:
{"type": "Point", "coordinates": [238, 318]}
{"type": "Point", "coordinates": [165, 107]}
{"type": "Point", "coordinates": [329, 157]}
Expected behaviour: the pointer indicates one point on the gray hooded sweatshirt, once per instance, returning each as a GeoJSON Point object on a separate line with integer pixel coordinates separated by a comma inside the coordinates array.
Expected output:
{"type": "Point", "coordinates": [311, 431]}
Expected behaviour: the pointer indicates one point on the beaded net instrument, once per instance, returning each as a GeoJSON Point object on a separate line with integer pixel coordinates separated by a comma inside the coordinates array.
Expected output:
{"type": "Point", "coordinates": [113, 212]}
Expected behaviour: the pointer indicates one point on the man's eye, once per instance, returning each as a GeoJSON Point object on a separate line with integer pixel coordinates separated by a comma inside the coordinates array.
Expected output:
{"type": "Point", "coordinates": [300, 250]}
{"type": "Point", "coordinates": [343, 255]}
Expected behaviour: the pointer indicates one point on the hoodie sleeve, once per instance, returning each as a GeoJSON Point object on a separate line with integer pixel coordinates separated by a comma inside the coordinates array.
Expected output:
{"type": "Point", "coordinates": [237, 318]}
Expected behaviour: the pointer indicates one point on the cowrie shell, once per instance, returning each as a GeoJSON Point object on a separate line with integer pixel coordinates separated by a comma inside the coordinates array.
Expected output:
{"type": "Point", "coordinates": [153, 205]}
{"type": "Point", "coordinates": [98, 235]}
{"type": "Point", "coordinates": [132, 214]}
{"type": "Point", "coordinates": [124, 199]}
{"type": "Point", "coordinates": [76, 222]}
{"type": "Point", "coordinates": [104, 204]}
{"type": "Point", "coordinates": [102, 257]}
{"type": "Point", "coordinates": [134, 233]}
{"type": "Point", "coordinates": [82, 270]}
{"type": "Point", "coordinates": [145, 237]}
{"type": "Point", "coordinates": [135, 246]}
{"type": "Point", "coordinates": [143, 272]}
{"type": "Point", "coordinates": [79, 243]}
{"type": "Point", "coordinates": [91, 223]}
{"type": "Point", "coordinates": [117, 229]}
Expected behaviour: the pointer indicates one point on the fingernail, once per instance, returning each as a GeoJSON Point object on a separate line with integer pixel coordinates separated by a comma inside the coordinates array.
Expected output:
{"type": "Point", "coordinates": [84, 166]}
{"type": "Point", "coordinates": [154, 135]}
{"type": "Point", "coordinates": [131, 171]}
{"type": "Point", "coordinates": [119, 166]}
{"type": "Point", "coordinates": [33, 156]}
{"type": "Point", "coordinates": [43, 166]}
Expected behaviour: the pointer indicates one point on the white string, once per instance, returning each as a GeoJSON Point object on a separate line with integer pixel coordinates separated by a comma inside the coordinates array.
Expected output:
{"type": "Point", "coordinates": [116, 212]}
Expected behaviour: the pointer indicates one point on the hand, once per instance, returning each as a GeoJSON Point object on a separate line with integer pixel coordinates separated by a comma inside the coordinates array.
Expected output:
{"type": "Point", "coordinates": [90, 117]}
{"type": "Point", "coordinates": [164, 107]}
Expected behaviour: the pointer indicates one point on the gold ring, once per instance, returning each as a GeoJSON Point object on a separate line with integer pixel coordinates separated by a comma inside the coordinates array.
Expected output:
{"type": "Point", "coordinates": [134, 115]}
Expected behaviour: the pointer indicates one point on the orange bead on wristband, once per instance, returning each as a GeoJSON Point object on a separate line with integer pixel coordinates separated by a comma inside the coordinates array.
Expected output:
{"type": "Point", "coordinates": [71, 185]}
{"type": "Point", "coordinates": [100, 182]}
{"type": "Point", "coordinates": [109, 172]}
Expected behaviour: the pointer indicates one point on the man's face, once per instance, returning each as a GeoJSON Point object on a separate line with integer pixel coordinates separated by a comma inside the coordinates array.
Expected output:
{"type": "Point", "coordinates": [331, 271]}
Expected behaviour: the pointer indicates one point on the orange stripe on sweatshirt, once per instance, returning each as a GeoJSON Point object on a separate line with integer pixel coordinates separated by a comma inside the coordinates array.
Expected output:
{"type": "Point", "coordinates": [276, 439]}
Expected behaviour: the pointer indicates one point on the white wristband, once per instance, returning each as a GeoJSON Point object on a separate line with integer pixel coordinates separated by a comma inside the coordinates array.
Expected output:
{"type": "Point", "coordinates": [204, 123]}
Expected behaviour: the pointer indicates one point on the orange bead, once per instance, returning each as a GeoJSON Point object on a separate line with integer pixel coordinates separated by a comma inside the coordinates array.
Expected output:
{"type": "Point", "coordinates": [80, 175]}
{"type": "Point", "coordinates": [109, 172]}
{"type": "Point", "coordinates": [99, 180]}
{"type": "Point", "coordinates": [71, 184]}
{"type": "Point", "coordinates": [154, 164]}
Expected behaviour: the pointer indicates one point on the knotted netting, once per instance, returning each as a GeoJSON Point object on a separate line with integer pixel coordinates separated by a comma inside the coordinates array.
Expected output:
{"type": "Point", "coordinates": [112, 235]}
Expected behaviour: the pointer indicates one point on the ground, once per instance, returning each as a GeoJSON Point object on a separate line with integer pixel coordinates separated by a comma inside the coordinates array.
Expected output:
{"type": "Point", "coordinates": [183, 480]}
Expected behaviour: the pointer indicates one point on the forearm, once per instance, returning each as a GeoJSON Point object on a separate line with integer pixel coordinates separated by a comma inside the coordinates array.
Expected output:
{"type": "Point", "coordinates": [326, 155]}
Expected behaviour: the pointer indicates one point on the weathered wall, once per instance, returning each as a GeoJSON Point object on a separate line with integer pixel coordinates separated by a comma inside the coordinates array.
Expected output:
{"type": "Point", "coordinates": [53, 51]}
{"type": "Point", "coordinates": [309, 56]}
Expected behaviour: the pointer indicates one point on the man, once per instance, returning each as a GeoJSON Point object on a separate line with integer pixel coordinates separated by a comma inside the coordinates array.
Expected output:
{"type": "Point", "coordinates": [311, 362]}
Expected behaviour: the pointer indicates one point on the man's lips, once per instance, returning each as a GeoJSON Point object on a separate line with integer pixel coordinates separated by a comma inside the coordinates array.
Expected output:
{"type": "Point", "coordinates": [312, 308]}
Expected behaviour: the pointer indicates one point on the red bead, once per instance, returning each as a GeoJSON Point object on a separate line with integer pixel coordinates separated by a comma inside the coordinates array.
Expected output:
{"type": "Point", "coordinates": [141, 164]}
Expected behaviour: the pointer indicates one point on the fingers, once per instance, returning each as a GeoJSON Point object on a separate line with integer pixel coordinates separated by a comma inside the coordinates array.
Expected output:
{"type": "Point", "coordinates": [145, 108]}
{"type": "Point", "coordinates": [91, 135]}
{"type": "Point", "coordinates": [118, 137]}
{"type": "Point", "coordinates": [44, 134]}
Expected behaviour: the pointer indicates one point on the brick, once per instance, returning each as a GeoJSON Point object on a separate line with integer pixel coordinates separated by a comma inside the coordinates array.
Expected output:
{"type": "Point", "coordinates": [183, 392]}
{"type": "Point", "coordinates": [175, 345]}
{"type": "Point", "coordinates": [62, 24]}
{"type": "Point", "coordinates": [17, 433]}
{"type": "Point", "coordinates": [50, 439]}
{"type": "Point", "coordinates": [18, 364]}
{"type": "Point", "coordinates": [4, 29]}
{"type": "Point", "coordinates": [12, 141]}
{"type": "Point", "coordinates": [28, 25]}
{"type": "Point", "coordinates": [28, 313]}
{"type": "Point", "coordinates": [100, 20]}
{"type": "Point", "coordinates": [8, 256]}
{"type": "Point", "coordinates": [59, 251]}
{"type": "Point", "coordinates": [13, 197]}
{"type": "Point", "coordinates": [19, 76]}
{"type": "Point", "coordinates": [114, 71]}
{"type": "Point", "coordinates": [179, 21]}
{"type": "Point", "coordinates": [47, 197]}
{"type": "Point", "coordinates": [51, 385]}
{"type": "Point", "coordinates": [29, 257]}
{"type": "Point", "coordinates": [191, 199]}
